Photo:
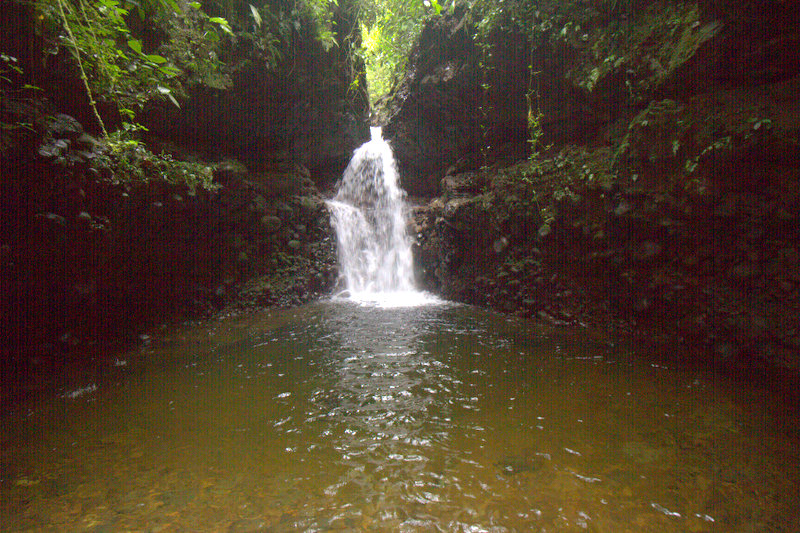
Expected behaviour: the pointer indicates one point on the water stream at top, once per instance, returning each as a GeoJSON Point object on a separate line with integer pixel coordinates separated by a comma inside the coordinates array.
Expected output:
{"type": "Point", "coordinates": [370, 217]}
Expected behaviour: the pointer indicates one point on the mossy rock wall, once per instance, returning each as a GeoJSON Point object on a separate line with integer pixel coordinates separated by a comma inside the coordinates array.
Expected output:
{"type": "Point", "coordinates": [588, 69]}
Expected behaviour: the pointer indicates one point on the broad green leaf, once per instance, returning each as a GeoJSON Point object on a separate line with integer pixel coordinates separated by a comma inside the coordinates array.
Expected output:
{"type": "Point", "coordinates": [222, 24]}
{"type": "Point", "coordinates": [169, 71]}
{"type": "Point", "coordinates": [173, 4]}
{"type": "Point", "coordinates": [136, 45]}
{"type": "Point", "coordinates": [155, 58]}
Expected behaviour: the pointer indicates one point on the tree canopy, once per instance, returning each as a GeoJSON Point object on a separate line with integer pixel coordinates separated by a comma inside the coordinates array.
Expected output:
{"type": "Point", "coordinates": [132, 51]}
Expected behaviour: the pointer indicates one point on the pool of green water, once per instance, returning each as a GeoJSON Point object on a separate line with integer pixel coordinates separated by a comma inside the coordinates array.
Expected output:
{"type": "Point", "coordinates": [443, 417]}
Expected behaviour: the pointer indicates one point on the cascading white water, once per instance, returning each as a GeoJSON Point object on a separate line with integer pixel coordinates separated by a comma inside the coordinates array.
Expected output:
{"type": "Point", "coordinates": [369, 216]}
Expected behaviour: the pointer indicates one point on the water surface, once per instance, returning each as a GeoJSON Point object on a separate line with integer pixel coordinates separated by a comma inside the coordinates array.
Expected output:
{"type": "Point", "coordinates": [337, 416]}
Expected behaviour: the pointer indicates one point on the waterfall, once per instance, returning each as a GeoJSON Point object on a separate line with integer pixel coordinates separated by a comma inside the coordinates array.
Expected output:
{"type": "Point", "coordinates": [369, 215]}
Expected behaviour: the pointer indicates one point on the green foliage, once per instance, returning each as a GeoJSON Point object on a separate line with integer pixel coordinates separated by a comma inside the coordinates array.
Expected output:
{"type": "Point", "coordinates": [8, 64]}
{"type": "Point", "coordinates": [535, 115]}
{"type": "Point", "coordinates": [389, 29]}
{"type": "Point", "coordinates": [271, 24]}
{"type": "Point", "coordinates": [117, 65]}
{"type": "Point", "coordinates": [12, 127]}
{"type": "Point", "coordinates": [320, 12]}
{"type": "Point", "coordinates": [132, 163]}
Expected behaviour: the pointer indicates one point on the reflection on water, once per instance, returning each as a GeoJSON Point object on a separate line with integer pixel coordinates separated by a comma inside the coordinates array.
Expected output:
{"type": "Point", "coordinates": [436, 418]}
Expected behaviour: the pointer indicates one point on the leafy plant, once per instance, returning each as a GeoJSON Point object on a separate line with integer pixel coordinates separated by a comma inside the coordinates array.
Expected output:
{"type": "Point", "coordinates": [132, 163]}
{"type": "Point", "coordinates": [117, 66]}
{"type": "Point", "coordinates": [389, 29]}
{"type": "Point", "coordinates": [535, 115]}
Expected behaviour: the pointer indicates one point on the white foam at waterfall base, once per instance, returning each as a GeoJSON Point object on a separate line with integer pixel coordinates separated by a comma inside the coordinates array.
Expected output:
{"type": "Point", "coordinates": [369, 215]}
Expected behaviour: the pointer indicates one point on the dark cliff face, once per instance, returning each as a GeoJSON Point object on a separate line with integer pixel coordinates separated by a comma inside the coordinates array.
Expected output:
{"type": "Point", "coordinates": [464, 101]}
{"type": "Point", "coordinates": [667, 205]}
{"type": "Point", "coordinates": [306, 111]}
{"type": "Point", "coordinates": [448, 108]}
{"type": "Point", "coordinates": [99, 242]}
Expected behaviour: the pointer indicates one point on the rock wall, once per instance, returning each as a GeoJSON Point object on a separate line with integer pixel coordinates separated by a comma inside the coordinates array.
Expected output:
{"type": "Point", "coordinates": [440, 114]}
{"type": "Point", "coordinates": [91, 255]}
{"type": "Point", "coordinates": [464, 101]}
{"type": "Point", "coordinates": [99, 242]}
{"type": "Point", "coordinates": [672, 211]}
{"type": "Point", "coordinates": [306, 111]}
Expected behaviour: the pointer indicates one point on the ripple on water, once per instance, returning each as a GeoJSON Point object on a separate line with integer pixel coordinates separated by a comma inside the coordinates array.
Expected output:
{"type": "Point", "coordinates": [345, 416]}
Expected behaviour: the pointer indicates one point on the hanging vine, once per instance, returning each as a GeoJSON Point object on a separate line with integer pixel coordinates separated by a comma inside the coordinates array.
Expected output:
{"type": "Point", "coordinates": [84, 77]}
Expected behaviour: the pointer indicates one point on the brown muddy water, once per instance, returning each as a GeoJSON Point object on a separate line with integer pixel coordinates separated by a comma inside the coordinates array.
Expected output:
{"type": "Point", "coordinates": [340, 417]}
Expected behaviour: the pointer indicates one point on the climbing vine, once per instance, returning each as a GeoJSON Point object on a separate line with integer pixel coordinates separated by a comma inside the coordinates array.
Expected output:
{"type": "Point", "coordinates": [535, 115]}
{"type": "Point", "coordinates": [128, 68]}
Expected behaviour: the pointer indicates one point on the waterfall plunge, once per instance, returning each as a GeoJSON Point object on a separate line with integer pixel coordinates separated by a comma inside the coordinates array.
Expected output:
{"type": "Point", "coordinates": [369, 215]}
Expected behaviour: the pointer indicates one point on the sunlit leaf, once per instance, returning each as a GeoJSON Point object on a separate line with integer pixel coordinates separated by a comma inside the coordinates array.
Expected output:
{"type": "Point", "coordinates": [222, 23]}
{"type": "Point", "coordinates": [155, 58]}
{"type": "Point", "coordinates": [256, 15]}
{"type": "Point", "coordinates": [169, 71]}
{"type": "Point", "coordinates": [174, 101]}
{"type": "Point", "coordinates": [136, 45]}
{"type": "Point", "coordinates": [173, 4]}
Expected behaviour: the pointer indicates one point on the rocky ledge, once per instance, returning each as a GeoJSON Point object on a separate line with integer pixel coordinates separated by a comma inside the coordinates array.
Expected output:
{"type": "Point", "coordinates": [688, 232]}
{"type": "Point", "coordinates": [101, 243]}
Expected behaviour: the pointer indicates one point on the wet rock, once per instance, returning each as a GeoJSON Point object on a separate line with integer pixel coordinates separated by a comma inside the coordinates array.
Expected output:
{"type": "Point", "coordinates": [499, 245]}
{"type": "Point", "coordinates": [228, 170]}
{"type": "Point", "coordinates": [52, 218]}
{"type": "Point", "coordinates": [622, 208]}
{"type": "Point", "coordinates": [647, 251]}
{"type": "Point", "coordinates": [258, 204]}
{"type": "Point", "coordinates": [434, 116]}
{"type": "Point", "coordinates": [466, 183]}
{"type": "Point", "coordinates": [65, 126]}
{"type": "Point", "coordinates": [87, 143]}
{"type": "Point", "coordinates": [54, 148]}
{"type": "Point", "coordinates": [270, 223]}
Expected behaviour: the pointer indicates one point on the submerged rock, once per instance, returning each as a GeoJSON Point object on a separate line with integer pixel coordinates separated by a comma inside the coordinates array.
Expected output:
{"type": "Point", "coordinates": [516, 464]}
